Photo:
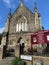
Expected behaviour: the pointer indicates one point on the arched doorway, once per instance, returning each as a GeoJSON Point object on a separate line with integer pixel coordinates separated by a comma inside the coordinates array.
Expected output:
{"type": "Point", "coordinates": [21, 45]}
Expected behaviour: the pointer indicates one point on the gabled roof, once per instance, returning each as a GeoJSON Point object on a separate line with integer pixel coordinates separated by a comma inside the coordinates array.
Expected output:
{"type": "Point", "coordinates": [22, 6]}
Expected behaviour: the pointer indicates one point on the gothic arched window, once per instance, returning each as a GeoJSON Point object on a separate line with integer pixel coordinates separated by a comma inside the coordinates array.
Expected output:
{"type": "Point", "coordinates": [21, 24]}
{"type": "Point", "coordinates": [17, 27]}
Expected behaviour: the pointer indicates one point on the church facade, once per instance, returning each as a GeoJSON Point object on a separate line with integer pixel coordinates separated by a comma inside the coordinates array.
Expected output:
{"type": "Point", "coordinates": [21, 25]}
{"type": "Point", "coordinates": [18, 29]}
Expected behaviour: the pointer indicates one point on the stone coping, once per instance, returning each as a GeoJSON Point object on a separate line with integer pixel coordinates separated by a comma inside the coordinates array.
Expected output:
{"type": "Point", "coordinates": [44, 57]}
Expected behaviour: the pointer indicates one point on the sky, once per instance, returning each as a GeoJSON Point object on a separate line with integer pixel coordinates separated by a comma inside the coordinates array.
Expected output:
{"type": "Point", "coordinates": [42, 5]}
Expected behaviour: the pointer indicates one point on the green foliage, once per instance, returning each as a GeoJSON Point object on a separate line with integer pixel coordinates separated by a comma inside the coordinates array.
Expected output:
{"type": "Point", "coordinates": [18, 61]}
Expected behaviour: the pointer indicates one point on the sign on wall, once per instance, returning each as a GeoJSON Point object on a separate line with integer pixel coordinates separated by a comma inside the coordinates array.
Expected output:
{"type": "Point", "coordinates": [26, 57]}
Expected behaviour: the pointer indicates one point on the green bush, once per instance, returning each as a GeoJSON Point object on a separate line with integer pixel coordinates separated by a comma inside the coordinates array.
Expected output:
{"type": "Point", "coordinates": [18, 61]}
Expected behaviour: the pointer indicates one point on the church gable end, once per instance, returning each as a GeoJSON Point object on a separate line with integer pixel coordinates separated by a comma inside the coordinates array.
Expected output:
{"type": "Point", "coordinates": [21, 12]}
{"type": "Point", "coordinates": [24, 20]}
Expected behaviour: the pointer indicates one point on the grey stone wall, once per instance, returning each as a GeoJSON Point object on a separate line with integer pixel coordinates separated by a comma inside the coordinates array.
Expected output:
{"type": "Point", "coordinates": [41, 59]}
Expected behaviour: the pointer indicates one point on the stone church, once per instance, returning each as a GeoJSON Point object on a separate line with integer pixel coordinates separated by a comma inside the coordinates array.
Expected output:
{"type": "Point", "coordinates": [18, 29]}
{"type": "Point", "coordinates": [20, 25]}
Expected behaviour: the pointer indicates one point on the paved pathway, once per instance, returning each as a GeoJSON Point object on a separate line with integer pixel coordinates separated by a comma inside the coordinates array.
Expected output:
{"type": "Point", "coordinates": [6, 61]}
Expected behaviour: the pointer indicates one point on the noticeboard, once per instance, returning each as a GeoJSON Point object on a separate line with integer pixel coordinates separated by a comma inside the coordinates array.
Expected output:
{"type": "Point", "coordinates": [26, 57]}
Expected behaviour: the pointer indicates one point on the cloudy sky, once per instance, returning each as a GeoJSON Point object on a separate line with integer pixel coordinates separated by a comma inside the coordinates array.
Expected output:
{"type": "Point", "coordinates": [42, 5]}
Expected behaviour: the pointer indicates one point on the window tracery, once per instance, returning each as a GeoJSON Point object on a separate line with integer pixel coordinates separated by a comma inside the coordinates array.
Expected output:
{"type": "Point", "coordinates": [21, 25]}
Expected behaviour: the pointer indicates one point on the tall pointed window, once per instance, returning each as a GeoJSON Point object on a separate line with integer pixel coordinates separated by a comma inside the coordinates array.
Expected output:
{"type": "Point", "coordinates": [21, 24]}
{"type": "Point", "coordinates": [23, 27]}
{"type": "Point", "coordinates": [17, 27]}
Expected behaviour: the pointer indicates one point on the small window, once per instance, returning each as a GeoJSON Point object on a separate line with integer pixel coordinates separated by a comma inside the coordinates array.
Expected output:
{"type": "Point", "coordinates": [34, 39]}
{"type": "Point", "coordinates": [47, 37]}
